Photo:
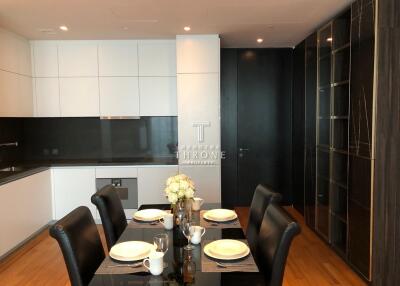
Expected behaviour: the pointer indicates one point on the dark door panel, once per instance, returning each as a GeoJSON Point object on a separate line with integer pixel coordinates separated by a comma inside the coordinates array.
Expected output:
{"type": "Point", "coordinates": [264, 121]}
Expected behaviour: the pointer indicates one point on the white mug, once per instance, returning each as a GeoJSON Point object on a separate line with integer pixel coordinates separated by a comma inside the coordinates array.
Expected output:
{"type": "Point", "coordinates": [197, 203]}
{"type": "Point", "coordinates": [156, 263]}
{"type": "Point", "coordinates": [168, 221]}
{"type": "Point", "coordinates": [198, 233]}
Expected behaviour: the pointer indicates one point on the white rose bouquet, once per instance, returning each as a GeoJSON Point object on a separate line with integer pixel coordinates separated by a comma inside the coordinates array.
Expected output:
{"type": "Point", "coordinates": [179, 187]}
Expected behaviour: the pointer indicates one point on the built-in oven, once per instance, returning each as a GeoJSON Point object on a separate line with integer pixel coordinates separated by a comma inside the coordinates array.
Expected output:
{"type": "Point", "coordinates": [125, 181]}
{"type": "Point", "coordinates": [126, 189]}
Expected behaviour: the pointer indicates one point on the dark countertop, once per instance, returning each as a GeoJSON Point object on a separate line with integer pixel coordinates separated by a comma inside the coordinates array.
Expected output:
{"type": "Point", "coordinates": [31, 168]}
{"type": "Point", "coordinates": [7, 177]}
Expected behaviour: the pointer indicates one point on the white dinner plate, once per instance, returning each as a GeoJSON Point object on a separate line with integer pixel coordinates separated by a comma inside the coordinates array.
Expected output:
{"type": "Point", "coordinates": [149, 215]}
{"type": "Point", "coordinates": [131, 250]}
{"type": "Point", "coordinates": [226, 249]}
{"type": "Point", "coordinates": [220, 215]}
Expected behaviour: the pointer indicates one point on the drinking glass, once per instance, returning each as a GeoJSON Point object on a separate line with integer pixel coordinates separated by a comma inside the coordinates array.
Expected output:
{"type": "Point", "coordinates": [161, 242]}
{"type": "Point", "coordinates": [188, 230]}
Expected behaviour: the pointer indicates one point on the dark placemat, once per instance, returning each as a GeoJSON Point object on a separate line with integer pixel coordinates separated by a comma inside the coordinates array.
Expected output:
{"type": "Point", "coordinates": [136, 224]}
{"type": "Point", "coordinates": [209, 264]}
{"type": "Point", "coordinates": [105, 268]}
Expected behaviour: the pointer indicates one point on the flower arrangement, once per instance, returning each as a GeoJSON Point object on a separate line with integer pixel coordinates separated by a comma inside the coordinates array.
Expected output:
{"type": "Point", "coordinates": [178, 188]}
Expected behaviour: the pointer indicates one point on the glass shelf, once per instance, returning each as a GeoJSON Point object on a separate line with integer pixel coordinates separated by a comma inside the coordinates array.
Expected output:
{"type": "Point", "coordinates": [333, 131]}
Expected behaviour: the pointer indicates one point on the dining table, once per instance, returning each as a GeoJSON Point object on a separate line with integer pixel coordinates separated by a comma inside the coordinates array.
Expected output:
{"type": "Point", "coordinates": [183, 267]}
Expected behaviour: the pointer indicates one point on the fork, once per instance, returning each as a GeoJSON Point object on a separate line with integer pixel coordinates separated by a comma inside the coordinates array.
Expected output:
{"type": "Point", "coordinates": [134, 265]}
{"type": "Point", "coordinates": [226, 265]}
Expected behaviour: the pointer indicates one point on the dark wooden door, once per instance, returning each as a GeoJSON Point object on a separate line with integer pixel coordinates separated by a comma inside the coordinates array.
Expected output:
{"type": "Point", "coordinates": [263, 121]}
{"type": "Point", "coordinates": [256, 86]}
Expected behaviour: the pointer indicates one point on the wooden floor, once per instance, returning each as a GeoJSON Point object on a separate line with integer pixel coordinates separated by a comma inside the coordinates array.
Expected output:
{"type": "Point", "coordinates": [310, 262]}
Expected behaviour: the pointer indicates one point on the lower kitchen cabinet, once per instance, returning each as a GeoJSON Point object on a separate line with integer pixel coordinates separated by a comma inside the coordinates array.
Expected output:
{"type": "Point", "coordinates": [25, 207]}
{"type": "Point", "coordinates": [73, 187]}
{"type": "Point", "coordinates": [207, 181]}
{"type": "Point", "coordinates": [151, 183]}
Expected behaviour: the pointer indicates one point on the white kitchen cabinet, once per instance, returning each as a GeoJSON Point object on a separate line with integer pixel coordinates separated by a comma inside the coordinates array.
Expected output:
{"type": "Point", "coordinates": [79, 97]}
{"type": "Point", "coordinates": [158, 96]}
{"type": "Point", "coordinates": [119, 96]}
{"type": "Point", "coordinates": [8, 51]}
{"type": "Point", "coordinates": [198, 104]}
{"type": "Point", "coordinates": [73, 187]}
{"type": "Point", "coordinates": [151, 183]}
{"type": "Point", "coordinates": [77, 58]}
{"type": "Point", "coordinates": [8, 91]}
{"type": "Point", "coordinates": [15, 95]}
{"type": "Point", "coordinates": [25, 207]}
{"type": "Point", "coordinates": [116, 172]}
{"type": "Point", "coordinates": [198, 53]}
{"type": "Point", "coordinates": [118, 58]}
{"type": "Point", "coordinates": [157, 58]}
{"type": "Point", "coordinates": [45, 58]}
{"type": "Point", "coordinates": [207, 180]}
{"type": "Point", "coordinates": [24, 97]}
{"type": "Point", "coordinates": [47, 97]}
{"type": "Point", "coordinates": [15, 53]}
{"type": "Point", "coordinates": [24, 66]}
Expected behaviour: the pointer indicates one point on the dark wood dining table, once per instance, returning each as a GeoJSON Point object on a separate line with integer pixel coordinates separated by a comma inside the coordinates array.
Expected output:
{"type": "Point", "coordinates": [183, 267]}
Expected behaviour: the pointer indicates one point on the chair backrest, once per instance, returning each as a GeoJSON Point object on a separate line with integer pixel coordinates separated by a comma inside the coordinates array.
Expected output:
{"type": "Point", "coordinates": [262, 197]}
{"type": "Point", "coordinates": [277, 231]}
{"type": "Point", "coordinates": [111, 212]}
{"type": "Point", "coordinates": [80, 243]}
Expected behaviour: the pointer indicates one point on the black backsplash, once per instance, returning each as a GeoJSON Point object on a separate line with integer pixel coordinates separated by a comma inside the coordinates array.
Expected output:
{"type": "Point", "coordinates": [52, 139]}
{"type": "Point", "coordinates": [11, 130]}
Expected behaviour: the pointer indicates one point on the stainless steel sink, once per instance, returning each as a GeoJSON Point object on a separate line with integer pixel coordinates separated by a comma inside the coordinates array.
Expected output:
{"type": "Point", "coordinates": [12, 169]}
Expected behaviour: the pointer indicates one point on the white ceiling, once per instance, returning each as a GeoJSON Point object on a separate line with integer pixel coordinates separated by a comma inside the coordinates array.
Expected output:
{"type": "Point", "coordinates": [282, 23]}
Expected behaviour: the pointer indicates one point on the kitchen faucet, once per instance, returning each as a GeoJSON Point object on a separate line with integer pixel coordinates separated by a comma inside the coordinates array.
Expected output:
{"type": "Point", "coordinates": [9, 144]}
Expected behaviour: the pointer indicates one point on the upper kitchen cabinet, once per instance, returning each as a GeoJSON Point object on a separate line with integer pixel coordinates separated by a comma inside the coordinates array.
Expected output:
{"type": "Point", "coordinates": [118, 58]}
{"type": "Point", "coordinates": [157, 58]}
{"type": "Point", "coordinates": [79, 97]}
{"type": "Point", "coordinates": [158, 96]}
{"type": "Point", "coordinates": [119, 96]}
{"type": "Point", "coordinates": [16, 98]}
{"type": "Point", "coordinates": [47, 97]}
{"type": "Point", "coordinates": [15, 95]}
{"type": "Point", "coordinates": [78, 58]}
{"type": "Point", "coordinates": [15, 53]}
{"type": "Point", "coordinates": [198, 54]}
{"type": "Point", "coordinates": [45, 59]}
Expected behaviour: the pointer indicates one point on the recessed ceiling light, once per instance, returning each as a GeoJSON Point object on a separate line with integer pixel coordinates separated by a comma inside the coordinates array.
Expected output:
{"type": "Point", "coordinates": [187, 28]}
{"type": "Point", "coordinates": [329, 39]}
{"type": "Point", "coordinates": [63, 28]}
{"type": "Point", "coordinates": [259, 40]}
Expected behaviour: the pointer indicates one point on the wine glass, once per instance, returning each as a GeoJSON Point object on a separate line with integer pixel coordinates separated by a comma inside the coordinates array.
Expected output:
{"type": "Point", "coordinates": [188, 230]}
{"type": "Point", "coordinates": [161, 242]}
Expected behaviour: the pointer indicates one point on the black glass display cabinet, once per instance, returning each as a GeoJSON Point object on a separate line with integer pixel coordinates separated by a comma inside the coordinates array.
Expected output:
{"type": "Point", "coordinates": [339, 151]}
{"type": "Point", "coordinates": [332, 129]}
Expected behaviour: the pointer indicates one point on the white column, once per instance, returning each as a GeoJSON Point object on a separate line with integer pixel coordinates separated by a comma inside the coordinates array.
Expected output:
{"type": "Point", "coordinates": [198, 93]}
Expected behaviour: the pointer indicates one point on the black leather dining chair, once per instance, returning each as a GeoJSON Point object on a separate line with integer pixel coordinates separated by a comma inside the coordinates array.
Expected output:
{"type": "Point", "coordinates": [80, 243]}
{"type": "Point", "coordinates": [277, 231]}
{"type": "Point", "coordinates": [111, 212]}
{"type": "Point", "coordinates": [262, 197]}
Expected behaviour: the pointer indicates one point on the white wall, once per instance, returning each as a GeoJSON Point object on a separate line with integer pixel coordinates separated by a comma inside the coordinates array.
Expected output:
{"type": "Point", "coordinates": [15, 76]}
